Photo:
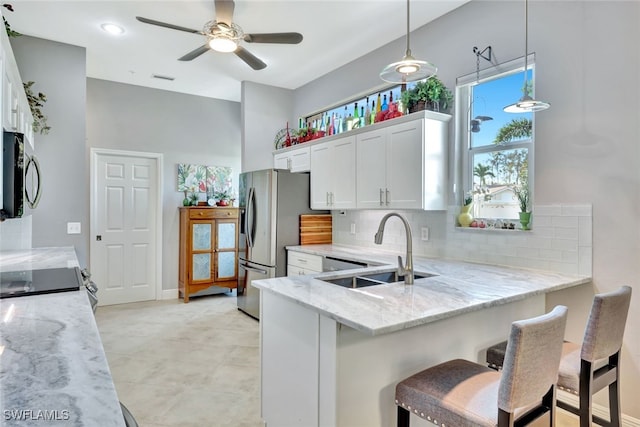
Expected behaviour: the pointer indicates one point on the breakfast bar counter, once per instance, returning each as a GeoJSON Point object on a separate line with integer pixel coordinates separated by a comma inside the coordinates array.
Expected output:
{"type": "Point", "coordinates": [331, 356]}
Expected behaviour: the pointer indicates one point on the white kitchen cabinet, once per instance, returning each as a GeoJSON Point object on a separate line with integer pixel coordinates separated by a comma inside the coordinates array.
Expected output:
{"type": "Point", "coordinates": [333, 174]}
{"type": "Point", "coordinates": [300, 263]}
{"type": "Point", "coordinates": [16, 113]}
{"type": "Point", "coordinates": [403, 166]}
{"type": "Point", "coordinates": [296, 160]}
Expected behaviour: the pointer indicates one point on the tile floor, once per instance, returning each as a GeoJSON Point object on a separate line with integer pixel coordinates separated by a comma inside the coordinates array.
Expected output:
{"type": "Point", "coordinates": [190, 365]}
{"type": "Point", "coordinates": [187, 365]}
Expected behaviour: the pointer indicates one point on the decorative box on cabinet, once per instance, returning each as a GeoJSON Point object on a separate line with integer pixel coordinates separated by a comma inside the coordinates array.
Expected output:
{"type": "Point", "coordinates": [208, 249]}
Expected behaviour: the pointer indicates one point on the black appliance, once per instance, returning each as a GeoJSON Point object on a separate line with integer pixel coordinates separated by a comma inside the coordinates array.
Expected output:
{"type": "Point", "coordinates": [34, 282]}
{"type": "Point", "coordinates": [12, 175]}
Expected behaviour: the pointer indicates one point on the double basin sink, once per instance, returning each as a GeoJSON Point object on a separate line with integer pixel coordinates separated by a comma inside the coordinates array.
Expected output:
{"type": "Point", "coordinates": [369, 277]}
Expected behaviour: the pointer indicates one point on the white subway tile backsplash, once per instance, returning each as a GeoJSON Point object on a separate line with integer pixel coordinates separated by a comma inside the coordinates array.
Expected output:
{"type": "Point", "coordinates": [561, 238]}
{"type": "Point", "coordinates": [585, 233]}
{"type": "Point", "coordinates": [565, 221]}
{"type": "Point", "coordinates": [566, 233]}
{"type": "Point", "coordinates": [576, 210]}
{"type": "Point", "coordinates": [565, 244]}
{"type": "Point", "coordinates": [547, 210]}
{"type": "Point", "coordinates": [550, 254]}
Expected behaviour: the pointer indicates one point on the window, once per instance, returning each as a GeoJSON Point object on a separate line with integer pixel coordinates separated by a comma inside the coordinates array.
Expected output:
{"type": "Point", "coordinates": [498, 146]}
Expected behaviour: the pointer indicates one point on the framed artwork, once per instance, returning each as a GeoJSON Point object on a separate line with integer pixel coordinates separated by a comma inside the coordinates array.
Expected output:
{"type": "Point", "coordinates": [203, 179]}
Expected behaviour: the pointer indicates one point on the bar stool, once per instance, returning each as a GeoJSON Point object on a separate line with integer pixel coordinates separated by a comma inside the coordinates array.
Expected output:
{"type": "Point", "coordinates": [588, 368]}
{"type": "Point", "coordinates": [464, 393]}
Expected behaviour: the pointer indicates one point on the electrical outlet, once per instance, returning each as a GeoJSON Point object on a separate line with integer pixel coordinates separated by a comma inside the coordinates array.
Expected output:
{"type": "Point", "coordinates": [353, 228]}
{"type": "Point", "coordinates": [73, 228]}
{"type": "Point", "coordinates": [424, 233]}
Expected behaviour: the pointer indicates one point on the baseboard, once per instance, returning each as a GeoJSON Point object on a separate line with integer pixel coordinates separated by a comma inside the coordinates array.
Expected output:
{"type": "Point", "coordinates": [169, 294]}
{"type": "Point", "coordinates": [598, 410]}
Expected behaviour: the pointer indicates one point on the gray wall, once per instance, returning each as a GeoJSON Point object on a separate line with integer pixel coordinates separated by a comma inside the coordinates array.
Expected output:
{"type": "Point", "coordinates": [58, 71]}
{"type": "Point", "coordinates": [587, 151]}
{"type": "Point", "coordinates": [184, 128]}
{"type": "Point", "coordinates": [265, 110]}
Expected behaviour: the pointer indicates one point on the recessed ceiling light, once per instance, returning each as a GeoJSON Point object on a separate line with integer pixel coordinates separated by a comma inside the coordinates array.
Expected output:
{"type": "Point", "coordinates": [114, 29]}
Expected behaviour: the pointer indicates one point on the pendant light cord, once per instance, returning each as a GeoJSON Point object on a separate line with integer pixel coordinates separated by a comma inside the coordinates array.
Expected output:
{"type": "Point", "coordinates": [526, 45]}
{"type": "Point", "coordinates": [408, 53]}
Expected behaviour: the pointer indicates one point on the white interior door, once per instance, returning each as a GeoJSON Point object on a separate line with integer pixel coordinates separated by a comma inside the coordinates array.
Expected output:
{"type": "Point", "coordinates": [125, 218]}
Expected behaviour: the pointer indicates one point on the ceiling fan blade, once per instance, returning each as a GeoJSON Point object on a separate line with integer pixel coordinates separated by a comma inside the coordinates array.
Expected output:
{"type": "Point", "coordinates": [195, 53]}
{"type": "Point", "coordinates": [224, 11]}
{"type": "Point", "coordinates": [252, 60]}
{"type": "Point", "coordinates": [171, 26]}
{"type": "Point", "coordinates": [282, 38]}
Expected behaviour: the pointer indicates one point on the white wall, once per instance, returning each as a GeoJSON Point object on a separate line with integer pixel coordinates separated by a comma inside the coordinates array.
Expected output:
{"type": "Point", "coordinates": [184, 128]}
{"type": "Point", "coordinates": [59, 71]}
{"type": "Point", "coordinates": [587, 150]}
{"type": "Point", "coordinates": [265, 110]}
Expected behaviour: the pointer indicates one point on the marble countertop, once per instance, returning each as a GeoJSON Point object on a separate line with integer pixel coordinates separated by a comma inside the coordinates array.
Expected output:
{"type": "Point", "coordinates": [455, 288]}
{"type": "Point", "coordinates": [53, 369]}
{"type": "Point", "coordinates": [38, 259]}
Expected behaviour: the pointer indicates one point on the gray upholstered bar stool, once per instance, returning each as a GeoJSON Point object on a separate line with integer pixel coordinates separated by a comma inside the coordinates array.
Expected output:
{"type": "Point", "coordinates": [463, 393]}
{"type": "Point", "coordinates": [588, 368]}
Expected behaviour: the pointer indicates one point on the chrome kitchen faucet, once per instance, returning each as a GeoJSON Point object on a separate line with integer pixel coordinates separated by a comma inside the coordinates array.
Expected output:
{"type": "Point", "coordinates": [406, 271]}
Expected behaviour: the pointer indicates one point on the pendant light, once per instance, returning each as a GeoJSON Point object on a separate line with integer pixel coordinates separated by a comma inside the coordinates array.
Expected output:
{"type": "Point", "coordinates": [526, 104]}
{"type": "Point", "coordinates": [409, 69]}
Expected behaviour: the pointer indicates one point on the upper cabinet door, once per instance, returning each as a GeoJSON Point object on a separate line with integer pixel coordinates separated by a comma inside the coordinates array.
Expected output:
{"type": "Point", "coordinates": [404, 165]}
{"type": "Point", "coordinates": [333, 174]}
{"type": "Point", "coordinates": [371, 169]}
{"type": "Point", "coordinates": [343, 194]}
{"type": "Point", "coordinates": [297, 160]}
{"type": "Point", "coordinates": [321, 176]}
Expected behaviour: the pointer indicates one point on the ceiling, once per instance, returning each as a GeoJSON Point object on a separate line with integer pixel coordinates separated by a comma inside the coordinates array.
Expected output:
{"type": "Point", "coordinates": [335, 33]}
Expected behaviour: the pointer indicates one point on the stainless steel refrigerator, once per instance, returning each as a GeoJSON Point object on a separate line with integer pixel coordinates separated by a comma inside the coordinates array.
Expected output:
{"type": "Point", "coordinates": [270, 203]}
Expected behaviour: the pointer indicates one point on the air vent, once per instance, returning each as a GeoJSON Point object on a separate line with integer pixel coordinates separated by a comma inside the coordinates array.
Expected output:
{"type": "Point", "coordinates": [158, 76]}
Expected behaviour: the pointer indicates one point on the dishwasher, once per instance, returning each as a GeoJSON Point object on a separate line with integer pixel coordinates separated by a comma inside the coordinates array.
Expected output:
{"type": "Point", "coordinates": [336, 264]}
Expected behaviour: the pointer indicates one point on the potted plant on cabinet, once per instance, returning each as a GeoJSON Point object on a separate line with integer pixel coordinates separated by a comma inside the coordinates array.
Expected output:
{"type": "Point", "coordinates": [524, 198]}
{"type": "Point", "coordinates": [430, 94]}
{"type": "Point", "coordinates": [223, 197]}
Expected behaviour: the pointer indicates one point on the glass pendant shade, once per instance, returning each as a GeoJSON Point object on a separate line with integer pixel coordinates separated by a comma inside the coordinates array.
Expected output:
{"type": "Point", "coordinates": [526, 104]}
{"type": "Point", "coordinates": [409, 69]}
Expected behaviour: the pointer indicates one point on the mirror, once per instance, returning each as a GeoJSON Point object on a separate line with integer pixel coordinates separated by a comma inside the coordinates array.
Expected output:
{"type": "Point", "coordinates": [32, 184]}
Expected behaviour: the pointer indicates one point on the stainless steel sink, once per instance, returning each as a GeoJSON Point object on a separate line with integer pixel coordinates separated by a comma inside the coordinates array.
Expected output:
{"type": "Point", "coordinates": [362, 279]}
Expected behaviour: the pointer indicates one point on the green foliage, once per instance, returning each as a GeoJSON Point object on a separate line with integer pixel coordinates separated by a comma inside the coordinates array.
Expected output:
{"type": "Point", "coordinates": [482, 172]}
{"type": "Point", "coordinates": [222, 195]}
{"type": "Point", "coordinates": [516, 129]}
{"type": "Point", "coordinates": [7, 27]}
{"type": "Point", "coordinates": [431, 91]}
{"type": "Point", "coordinates": [36, 102]}
{"type": "Point", "coordinates": [523, 196]}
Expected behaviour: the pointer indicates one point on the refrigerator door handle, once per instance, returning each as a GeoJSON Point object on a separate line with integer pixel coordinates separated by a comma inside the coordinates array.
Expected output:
{"type": "Point", "coordinates": [254, 269]}
{"type": "Point", "coordinates": [250, 217]}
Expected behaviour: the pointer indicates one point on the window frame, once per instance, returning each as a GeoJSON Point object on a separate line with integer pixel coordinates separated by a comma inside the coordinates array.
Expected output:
{"type": "Point", "coordinates": [464, 85]}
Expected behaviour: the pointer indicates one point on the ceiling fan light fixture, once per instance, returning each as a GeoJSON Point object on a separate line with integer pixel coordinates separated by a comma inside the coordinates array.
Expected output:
{"type": "Point", "coordinates": [409, 69]}
{"type": "Point", "coordinates": [223, 44]}
{"type": "Point", "coordinates": [112, 29]}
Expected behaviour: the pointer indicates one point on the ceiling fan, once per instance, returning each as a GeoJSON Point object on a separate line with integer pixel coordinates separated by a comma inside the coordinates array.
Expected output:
{"type": "Point", "coordinates": [223, 35]}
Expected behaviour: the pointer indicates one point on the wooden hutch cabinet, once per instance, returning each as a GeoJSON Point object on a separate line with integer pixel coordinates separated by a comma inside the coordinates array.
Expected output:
{"type": "Point", "coordinates": [208, 249]}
